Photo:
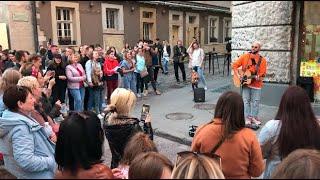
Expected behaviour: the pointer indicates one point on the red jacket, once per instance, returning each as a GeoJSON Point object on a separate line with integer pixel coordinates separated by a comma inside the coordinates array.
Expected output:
{"type": "Point", "coordinates": [109, 65]}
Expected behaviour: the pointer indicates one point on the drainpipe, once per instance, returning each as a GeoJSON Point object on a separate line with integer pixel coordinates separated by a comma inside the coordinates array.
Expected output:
{"type": "Point", "coordinates": [34, 23]}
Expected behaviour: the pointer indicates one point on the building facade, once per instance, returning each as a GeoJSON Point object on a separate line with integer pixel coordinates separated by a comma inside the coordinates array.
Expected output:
{"type": "Point", "coordinates": [114, 23]}
{"type": "Point", "coordinates": [17, 25]}
{"type": "Point", "coordinates": [290, 34]}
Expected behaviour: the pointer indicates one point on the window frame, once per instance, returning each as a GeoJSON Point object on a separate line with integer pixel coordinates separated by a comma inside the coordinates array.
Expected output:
{"type": "Point", "coordinates": [115, 18]}
{"type": "Point", "coordinates": [225, 27]}
{"type": "Point", "coordinates": [64, 21]}
{"type": "Point", "coordinates": [216, 32]}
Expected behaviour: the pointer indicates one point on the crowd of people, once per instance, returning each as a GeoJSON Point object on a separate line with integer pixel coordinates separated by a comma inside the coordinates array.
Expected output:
{"type": "Point", "coordinates": [33, 93]}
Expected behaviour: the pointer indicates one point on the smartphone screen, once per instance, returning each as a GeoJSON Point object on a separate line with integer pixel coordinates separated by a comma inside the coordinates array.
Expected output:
{"type": "Point", "coordinates": [144, 111]}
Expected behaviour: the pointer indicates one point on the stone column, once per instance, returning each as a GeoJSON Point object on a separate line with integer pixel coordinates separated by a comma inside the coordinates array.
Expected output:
{"type": "Point", "coordinates": [271, 23]}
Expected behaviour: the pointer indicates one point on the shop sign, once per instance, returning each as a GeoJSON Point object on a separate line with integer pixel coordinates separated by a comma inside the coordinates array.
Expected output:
{"type": "Point", "coordinates": [310, 69]}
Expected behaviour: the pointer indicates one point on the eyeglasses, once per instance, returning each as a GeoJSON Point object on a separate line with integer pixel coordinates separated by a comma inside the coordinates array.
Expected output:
{"type": "Point", "coordinates": [184, 154]}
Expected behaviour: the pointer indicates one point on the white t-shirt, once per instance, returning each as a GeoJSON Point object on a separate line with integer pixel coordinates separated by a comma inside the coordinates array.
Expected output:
{"type": "Point", "coordinates": [196, 57]}
{"type": "Point", "coordinates": [165, 52]}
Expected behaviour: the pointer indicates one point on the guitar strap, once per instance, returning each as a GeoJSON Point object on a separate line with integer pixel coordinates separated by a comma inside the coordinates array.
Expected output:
{"type": "Point", "coordinates": [258, 65]}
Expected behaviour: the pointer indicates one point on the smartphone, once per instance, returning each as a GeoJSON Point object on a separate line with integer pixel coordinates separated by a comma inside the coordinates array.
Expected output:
{"type": "Point", "coordinates": [144, 111]}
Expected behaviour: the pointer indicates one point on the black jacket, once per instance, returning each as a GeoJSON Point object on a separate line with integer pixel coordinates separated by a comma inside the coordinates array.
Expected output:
{"type": "Point", "coordinates": [118, 135]}
{"type": "Point", "coordinates": [177, 54]}
{"type": "Point", "coordinates": [60, 70]}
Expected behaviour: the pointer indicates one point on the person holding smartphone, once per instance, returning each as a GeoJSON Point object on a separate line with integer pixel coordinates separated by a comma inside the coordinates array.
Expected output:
{"type": "Point", "coordinates": [58, 70]}
{"type": "Point", "coordinates": [119, 125]}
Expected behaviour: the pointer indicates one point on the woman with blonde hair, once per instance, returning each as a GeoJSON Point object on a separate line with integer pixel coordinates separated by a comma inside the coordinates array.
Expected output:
{"type": "Point", "coordinates": [119, 126]}
{"type": "Point", "coordinates": [76, 77]}
{"type": "Point", "coordinates": [192, 165]}
{"type": "Point", "coordinates": [9, 77]}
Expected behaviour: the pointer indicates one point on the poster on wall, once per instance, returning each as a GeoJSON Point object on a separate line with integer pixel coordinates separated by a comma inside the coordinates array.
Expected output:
{"type": "Point", "coordinates": [309, 69]}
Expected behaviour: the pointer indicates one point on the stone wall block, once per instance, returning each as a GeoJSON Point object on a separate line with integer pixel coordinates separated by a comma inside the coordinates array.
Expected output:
{"type": "Point", "coordinates": [273, 12]}
{"type": "Point", "coordinates": [262, 13]}
{"type": "Point", "coordinates": [242, 38]}
{"type": "Point", "coordinates": [272, 37]}
{"type": "Point", "coordinates": [239, 2]}
{"type": "Point", "coordinates": [243, 15]}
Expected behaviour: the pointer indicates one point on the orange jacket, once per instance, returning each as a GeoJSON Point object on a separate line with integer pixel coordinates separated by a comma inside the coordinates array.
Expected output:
{"type": "Point", "coordinates": [246, 59]}
{"type": "Point", "coordinates": [241, 156]}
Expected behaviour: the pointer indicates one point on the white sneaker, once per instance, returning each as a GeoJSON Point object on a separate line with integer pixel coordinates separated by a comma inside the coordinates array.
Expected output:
{"type": "Point", "coordinates": [139, 95]}
{"type": "Point", "coordinates": [205, 88]}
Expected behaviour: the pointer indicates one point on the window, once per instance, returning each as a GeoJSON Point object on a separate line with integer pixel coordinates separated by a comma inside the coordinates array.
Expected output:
{"type": "Point", "coordinates": [175, 17]}
{"type": "Point", "coordinates": [147, 31]}
{"type": "Point", "coordinates": [112, 18]}
{"type": "Point", "coordinates": [64, 26]}
{"type": "Point", "coordinates": [213, 29]}
{"type": "Point", "coordinates": [227, 29]}
{"type": "Point", "coordinates": [192, 19]}
{"type": "Point", "coordinates": [147, 14]}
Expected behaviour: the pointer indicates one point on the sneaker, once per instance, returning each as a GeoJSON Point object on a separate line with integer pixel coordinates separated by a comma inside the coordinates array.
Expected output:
{"type": "Point", "coordinates": [255, 121]}
{"type": "Point", "coordinates": [139, 95]}
{"type": "Point", "coordinates": [145, 93]}
{"type": "Point", "coordinates": [205, 88]}
{"type": "Point", "coordinates": [178, 82]}
{"type": "Point", "coordinates": [185, 82]}
{"type": "Point", "coordinates": [158, 92]}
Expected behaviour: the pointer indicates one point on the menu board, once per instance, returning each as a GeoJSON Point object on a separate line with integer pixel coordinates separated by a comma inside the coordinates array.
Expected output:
{"type": "Point", "coordinates": [309, 69]}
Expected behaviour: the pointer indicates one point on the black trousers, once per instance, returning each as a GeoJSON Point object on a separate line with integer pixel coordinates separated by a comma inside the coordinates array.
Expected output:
{"type": "Point", "coordinates": [141, 83]}
{"type": "Point", "coordinates": [176, 73]}
{"type": "Point", "coordinates": [71, 101]}
{"type": "Point", "coordinates": [156, 72]}
{"type": "Point", "coordinates": [151, 76]}
{"type": "Point", "coordinates": [86, 98]}
{"type": "Point", "coordinates": [58, 93]}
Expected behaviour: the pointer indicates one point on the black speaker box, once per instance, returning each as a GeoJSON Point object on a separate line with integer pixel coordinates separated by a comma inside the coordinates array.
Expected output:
{"type": "Point", "coordinates": [199, 95]}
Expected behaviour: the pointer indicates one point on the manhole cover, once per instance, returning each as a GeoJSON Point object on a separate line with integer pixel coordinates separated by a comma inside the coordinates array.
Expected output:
{"type": "Point", "coordinates": [204, 106]}
{"type": "Point", "coordinates": [179, 116]}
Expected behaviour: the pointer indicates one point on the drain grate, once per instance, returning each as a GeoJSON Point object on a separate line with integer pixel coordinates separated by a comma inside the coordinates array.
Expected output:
{"type": "Point", "coordinates": [179, 116]}
{"type": "Point", "coordinates": [205, 106]}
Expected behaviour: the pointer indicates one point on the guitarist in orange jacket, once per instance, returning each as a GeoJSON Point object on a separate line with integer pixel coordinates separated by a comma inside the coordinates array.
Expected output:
{"type": "Point", "coordinates": [251, 93]}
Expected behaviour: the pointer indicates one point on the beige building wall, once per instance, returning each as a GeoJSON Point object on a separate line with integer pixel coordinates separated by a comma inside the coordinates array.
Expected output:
{"type": "Point", "coordinates": [18, 17]}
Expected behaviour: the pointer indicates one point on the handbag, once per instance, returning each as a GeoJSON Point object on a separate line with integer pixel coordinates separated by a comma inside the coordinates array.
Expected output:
{"type": "Point", "coordinates": [144, 73]}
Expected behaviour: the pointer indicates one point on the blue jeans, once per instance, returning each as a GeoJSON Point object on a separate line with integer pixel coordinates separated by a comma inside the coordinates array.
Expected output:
{"type": "Point", "coordinates": [251, 100]}
{"type": "Point", "coordinates": [130, 82]}
{"type": "Point", "coordinates": [78, 97]}
{"type": "Point", "coordinates": [201, 75]}
{"type": "Point", "coordinates": [94, 102]}
{"type": "Point", "coordinates": [165, 61]}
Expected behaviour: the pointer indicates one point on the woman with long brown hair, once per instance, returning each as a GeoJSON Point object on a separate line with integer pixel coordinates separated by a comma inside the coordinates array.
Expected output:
{"type": "Point", "coordinates": [295, 126]}
{"type": "Point", "coordinates": [227, 137]}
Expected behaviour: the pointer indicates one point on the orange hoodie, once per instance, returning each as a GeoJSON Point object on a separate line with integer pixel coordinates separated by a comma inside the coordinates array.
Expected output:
{"type": "Point", "coordinates": [246, 59]}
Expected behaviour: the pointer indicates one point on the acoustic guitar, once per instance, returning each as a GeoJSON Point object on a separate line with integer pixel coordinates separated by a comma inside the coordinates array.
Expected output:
{"type": "Point", "coordinates": [245, 80]}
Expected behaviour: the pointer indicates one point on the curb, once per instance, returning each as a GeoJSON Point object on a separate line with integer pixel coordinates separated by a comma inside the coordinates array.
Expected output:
{"type": "Point", "coordinates": [170, 137]}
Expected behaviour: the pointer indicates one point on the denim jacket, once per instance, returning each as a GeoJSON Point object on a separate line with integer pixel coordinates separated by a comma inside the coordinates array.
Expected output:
{"type": "Point", "coordinates": [27, 151]}
{"type": "Point", "coordinates": [268, 137]}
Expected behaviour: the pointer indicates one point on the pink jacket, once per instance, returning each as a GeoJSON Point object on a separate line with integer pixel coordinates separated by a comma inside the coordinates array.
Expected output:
{"type": "Point", "coordinates": [73, 76]}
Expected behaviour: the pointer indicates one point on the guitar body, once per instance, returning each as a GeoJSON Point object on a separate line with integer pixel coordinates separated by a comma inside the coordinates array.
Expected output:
{"type": "Point", "coordinates": [247, 78]}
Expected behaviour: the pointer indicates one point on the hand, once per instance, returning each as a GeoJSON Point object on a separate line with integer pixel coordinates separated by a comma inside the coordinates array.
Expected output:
{"type": "Point", "coordinates": [52, 82]}
{"type": "Point", "coordinates": [58, 103]}
{"type": "Point", "coordinates": [53, 138]}
{"type": "Point", "coordinates": [90, 84]}
{"type": "Point", "coordinates": [62, 77]}
{"type": "Point", "coordinates": [117, 173]}
{"type": "Point", "coordinates": [148, 118]}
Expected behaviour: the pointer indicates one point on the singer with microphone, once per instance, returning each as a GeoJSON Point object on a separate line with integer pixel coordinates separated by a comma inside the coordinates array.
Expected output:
{"type": "Point", "coordinates": [256, 65]}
